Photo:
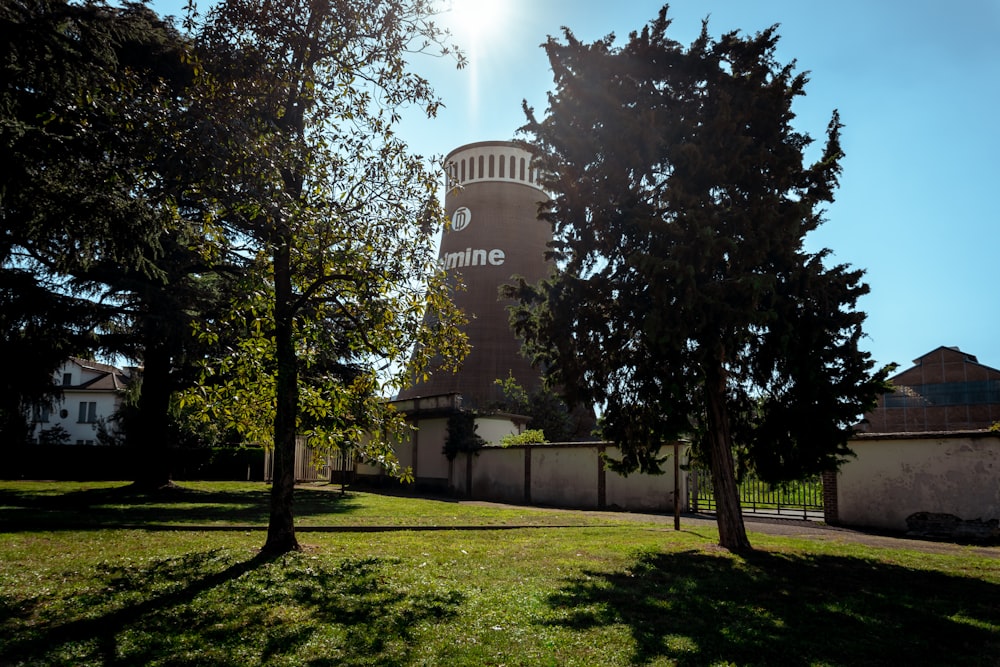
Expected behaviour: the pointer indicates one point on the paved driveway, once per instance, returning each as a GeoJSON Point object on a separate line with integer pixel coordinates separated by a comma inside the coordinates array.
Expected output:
{"type": "Point", "coordinates": [796, 528]}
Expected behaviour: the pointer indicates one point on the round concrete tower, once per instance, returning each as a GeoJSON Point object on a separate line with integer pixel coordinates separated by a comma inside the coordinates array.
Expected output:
{"type": "Point", "coordinates": [492, 199]}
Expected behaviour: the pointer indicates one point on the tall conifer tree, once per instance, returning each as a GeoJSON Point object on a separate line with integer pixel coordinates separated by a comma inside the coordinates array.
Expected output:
{"type": "Point", "coordinates": [685, 303]}
{"type": "Point", "coordinates": [97, 246]}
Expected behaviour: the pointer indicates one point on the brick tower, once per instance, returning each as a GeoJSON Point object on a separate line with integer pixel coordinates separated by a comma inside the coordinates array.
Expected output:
{"type": "Point", "coordinates": [492, 199]}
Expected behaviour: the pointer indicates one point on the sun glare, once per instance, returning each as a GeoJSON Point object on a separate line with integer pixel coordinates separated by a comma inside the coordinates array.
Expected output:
{"type": "Point", "coordinates": [475, 21]}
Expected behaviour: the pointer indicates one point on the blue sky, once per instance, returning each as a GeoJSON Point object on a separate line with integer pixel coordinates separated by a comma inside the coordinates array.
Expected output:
{"type": "Point", "coordinates": [917, 84]}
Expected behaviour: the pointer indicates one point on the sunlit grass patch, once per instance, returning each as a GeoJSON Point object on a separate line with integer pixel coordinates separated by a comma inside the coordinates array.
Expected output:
{"type": "Point", "coordinates": [496, 586]}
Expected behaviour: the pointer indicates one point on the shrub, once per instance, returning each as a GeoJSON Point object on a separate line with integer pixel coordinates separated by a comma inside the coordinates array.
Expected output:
{"type": "Point", "coordinates": [56, 435]}
{"type": "Point", "coordinates": [462, 436]}
{"type": "Point", "coordinates": [532, 436]}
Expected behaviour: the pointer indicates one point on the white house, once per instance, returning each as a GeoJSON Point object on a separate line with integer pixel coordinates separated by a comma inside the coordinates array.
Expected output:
{"type": "Point", "coordinates": [91, 392]}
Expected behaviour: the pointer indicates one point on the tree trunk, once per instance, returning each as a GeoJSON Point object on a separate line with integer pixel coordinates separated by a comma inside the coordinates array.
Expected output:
{"type": "Point", "coordinates": [728, 514]}
{"type": "Point", "coordinates": [281, 526]}
{"type": "Point", "coordinates": [149, 445]}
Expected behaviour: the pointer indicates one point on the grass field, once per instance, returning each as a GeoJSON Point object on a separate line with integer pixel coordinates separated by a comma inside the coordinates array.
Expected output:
{"type": "Point", "coordinates": [92, 576]}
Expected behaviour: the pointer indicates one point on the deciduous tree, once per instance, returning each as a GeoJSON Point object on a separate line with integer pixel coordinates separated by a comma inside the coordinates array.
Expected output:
{"type": "Point", "coordinates": [686, 302]}
{"type": "Point", "coordinates": [336, 213]}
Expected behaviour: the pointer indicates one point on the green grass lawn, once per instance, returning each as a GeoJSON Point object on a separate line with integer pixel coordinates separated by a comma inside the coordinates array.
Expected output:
{"type": "Point", "coordinates": [92, 576]}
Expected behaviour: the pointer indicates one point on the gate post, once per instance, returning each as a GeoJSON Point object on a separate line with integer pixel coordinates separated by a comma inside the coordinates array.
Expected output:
{"type": "Point", "coordinates": [831, 513]}
{"type": "Point", "coordinates": [694, 488]}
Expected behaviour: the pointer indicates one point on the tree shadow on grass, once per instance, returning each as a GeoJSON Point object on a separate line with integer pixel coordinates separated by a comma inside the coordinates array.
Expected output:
{"type": "Point", "coordinates": [211, 608]}
{"type": "Point", "coordinates": [122, 506]}
{"type": "Point", "coordinates": [776, 609]}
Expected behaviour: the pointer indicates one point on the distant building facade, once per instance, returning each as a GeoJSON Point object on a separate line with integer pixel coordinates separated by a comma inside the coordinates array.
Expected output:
{"type": "Point", "coordinates": [945, 390]}
{"type": "Point", "coordinates": [492, 199]}
{"type": "Point", "coordinates": [91, 394]}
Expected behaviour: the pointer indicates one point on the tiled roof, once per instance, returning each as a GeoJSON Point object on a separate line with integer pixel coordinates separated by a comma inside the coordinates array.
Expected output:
{"type": "Point", "coordinates": [111, 378]}
{"type": "Point", "coordinates": [90, 364]}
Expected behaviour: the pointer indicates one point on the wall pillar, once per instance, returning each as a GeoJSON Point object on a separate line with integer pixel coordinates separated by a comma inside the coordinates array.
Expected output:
{"type": "Point", "coordinates": [527, 474]}
{"type": "Point", "coordinates": [416, 436]}
{"type": "Point", "coordinates": [831, 513]}
{"type": "Point", "coordinates": [468, 474]}
{"type": "Point", "coordinates": [602, 480]}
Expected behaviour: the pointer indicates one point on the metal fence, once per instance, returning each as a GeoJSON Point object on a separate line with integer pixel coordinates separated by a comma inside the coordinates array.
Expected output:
{"type": "Point", "coordinates": [334, 466]}
{"type": "Point", "coordinates": [802, 499]}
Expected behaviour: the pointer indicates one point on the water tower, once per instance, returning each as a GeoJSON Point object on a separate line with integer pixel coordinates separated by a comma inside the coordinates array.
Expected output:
{"type": "Point", "coordinates": [492, 199]}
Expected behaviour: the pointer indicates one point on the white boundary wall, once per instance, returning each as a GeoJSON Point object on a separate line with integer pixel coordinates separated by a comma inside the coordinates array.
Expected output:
{"type": "Point", "coordinates": [565, 475]}
{"type": "Point", "coordinates": [647, 492]}
{"type": "Point", "coordinates": [895, 476]}
{"type": "Point", "coordinates": [892, 477]}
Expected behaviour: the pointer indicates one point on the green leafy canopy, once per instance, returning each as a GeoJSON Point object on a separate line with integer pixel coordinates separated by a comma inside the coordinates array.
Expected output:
{"type": "Point", "coordinates": [338, 216]}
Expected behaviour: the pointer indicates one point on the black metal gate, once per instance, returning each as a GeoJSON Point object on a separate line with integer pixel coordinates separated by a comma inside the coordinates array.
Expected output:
{"type": "Point", "coordinates": [802, 500]}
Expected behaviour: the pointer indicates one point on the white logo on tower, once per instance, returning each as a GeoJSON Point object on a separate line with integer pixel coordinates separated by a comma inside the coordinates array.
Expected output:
{"type": "Point", "coordinates": [461, 218]}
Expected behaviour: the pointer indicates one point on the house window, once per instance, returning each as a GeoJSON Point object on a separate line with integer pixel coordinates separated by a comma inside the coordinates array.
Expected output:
{"type": "Point", "coordinates": [88, 412]}
{"type": "Point", "coordinates": [41, 415]}
{"type": "Point", "coordinates": [67, 379]}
